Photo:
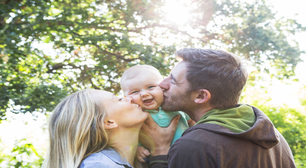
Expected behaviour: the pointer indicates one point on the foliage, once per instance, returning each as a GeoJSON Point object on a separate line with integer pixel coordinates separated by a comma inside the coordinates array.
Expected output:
{"type": "Point", "coordinates": [291, 123]}
{"type": "Point", "coordinates": [24, 155]}
{"type": "Point", "coordinates": [253, 32]}
{"type": "Point", "coordinates": [94, 41]}
{"type": "Point", "coordinates": [303, 98]}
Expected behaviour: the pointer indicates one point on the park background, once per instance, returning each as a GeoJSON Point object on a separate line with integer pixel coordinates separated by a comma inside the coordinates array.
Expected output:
{"type": "Point", "coordinates": [50, 48]}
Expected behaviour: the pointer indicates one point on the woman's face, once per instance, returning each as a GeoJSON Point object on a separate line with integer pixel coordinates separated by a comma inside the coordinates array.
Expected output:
{"type": "Point", "coordinates": [122, 111]}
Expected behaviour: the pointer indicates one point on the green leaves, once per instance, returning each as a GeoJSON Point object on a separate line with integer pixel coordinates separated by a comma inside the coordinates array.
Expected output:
{"type": "Point", "coordinates": [291, 123]}
{"type": "Point", "coordinates": [252, 31]}
{"type": "Point", "coordinates": [23, 155]}
{"type": "Point", "coordinates": [94, 41]}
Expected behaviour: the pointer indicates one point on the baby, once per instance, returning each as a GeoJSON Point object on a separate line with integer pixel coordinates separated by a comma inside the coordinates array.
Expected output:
{"type": "Point", "coordinates": [141, 82]}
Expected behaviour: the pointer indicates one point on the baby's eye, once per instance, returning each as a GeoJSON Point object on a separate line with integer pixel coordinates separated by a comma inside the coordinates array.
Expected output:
{"type": "Point", "coordinates": [150, 87]}
{"type": "Point", "coordinates": [172, 81]}
{"type": "Point", "coordinates": [134, 92]}
{"type": "Point", "coordinates": [120, 99]}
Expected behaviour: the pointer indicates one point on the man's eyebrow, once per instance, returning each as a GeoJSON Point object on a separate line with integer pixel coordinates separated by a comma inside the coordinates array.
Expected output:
{"type": "Point", "coordinates": [173, 78]}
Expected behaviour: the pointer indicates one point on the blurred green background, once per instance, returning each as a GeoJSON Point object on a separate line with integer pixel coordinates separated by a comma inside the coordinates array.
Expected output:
{"type": "Point", "coordinates": [51, 48]}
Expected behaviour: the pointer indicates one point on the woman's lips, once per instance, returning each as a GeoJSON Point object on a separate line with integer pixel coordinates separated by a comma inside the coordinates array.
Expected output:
{"type": "Point", "coordinates": [136, 105]}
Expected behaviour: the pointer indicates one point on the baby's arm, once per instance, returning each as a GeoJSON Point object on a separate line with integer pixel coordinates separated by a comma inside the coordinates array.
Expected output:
{"type": "Point", "coordinates": [142, 153]}
{"type": "Point", "coordinates": [191, 122]}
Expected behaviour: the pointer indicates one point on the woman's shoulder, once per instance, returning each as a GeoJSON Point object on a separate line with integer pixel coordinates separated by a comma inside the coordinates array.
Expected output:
{"type": "Point", "coordinates": [96, 160]}
{"type": "Point", "coordinates": [105, 158]}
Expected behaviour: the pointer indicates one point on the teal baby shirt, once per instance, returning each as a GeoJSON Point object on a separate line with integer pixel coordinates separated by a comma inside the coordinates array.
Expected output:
{"type": "Point", "coordinates": [163, 119]}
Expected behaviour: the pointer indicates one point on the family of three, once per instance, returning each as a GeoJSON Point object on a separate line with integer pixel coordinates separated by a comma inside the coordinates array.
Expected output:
{"type": "Point", "coordinates": [191, 119]}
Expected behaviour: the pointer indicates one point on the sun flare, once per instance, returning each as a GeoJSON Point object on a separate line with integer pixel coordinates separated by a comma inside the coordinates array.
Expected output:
{"type": "Point", "coordinates": [176, 11]}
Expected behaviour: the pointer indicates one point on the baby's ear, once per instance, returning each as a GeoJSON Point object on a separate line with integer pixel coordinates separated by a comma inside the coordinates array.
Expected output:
{"type": "Point", "coordinates": [110, 124]}
{"type": "Point", "coordinates": [202, 96]}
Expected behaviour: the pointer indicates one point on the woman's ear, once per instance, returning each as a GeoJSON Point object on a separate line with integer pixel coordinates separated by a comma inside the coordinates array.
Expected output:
{"type": "Point", "coordinates": [110, 124]}
{"type": "Point", "coordinates": [202, 96]}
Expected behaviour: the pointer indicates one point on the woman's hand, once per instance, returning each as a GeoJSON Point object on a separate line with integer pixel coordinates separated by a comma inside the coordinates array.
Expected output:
{"type": "Point", "coordinates": [158, 139]}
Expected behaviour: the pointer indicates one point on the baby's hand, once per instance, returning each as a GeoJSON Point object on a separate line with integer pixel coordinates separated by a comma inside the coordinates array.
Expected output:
{"type": "Point", "coordinates": [142, 153]}
{"type": "Point", "coordinates": [191, 122]}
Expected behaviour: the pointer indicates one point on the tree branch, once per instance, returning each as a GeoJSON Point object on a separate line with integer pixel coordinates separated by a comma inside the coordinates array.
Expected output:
{"type": "Point", "coordinates": [59, 66]}
{"type": "Point", "coordinates": [116, 55]}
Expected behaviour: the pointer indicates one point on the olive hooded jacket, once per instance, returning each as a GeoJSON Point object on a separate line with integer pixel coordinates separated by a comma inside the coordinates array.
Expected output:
{"type": "Point", "coordinates": [241, 137]}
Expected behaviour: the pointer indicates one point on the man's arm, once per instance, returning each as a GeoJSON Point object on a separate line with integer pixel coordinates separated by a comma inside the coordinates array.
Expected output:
{"type": "Point", "coordinates": [159, 139]}
{"type": "Point", "coordinates": [185, 153]}
{"type": "Point", "coordinates": [197, 148]}
{"type": "Point", "coordinates": [159, 161]}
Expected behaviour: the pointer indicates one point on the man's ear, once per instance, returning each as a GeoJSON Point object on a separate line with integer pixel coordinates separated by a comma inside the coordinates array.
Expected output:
{"type": "Point", "coordinates": [202, 96]}
{"type": "Point", "coordinates": [110, 124]}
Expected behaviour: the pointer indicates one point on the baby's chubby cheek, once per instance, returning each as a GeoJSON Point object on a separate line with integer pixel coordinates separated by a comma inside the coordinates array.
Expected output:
{"type": "Point", "coordinates": [136, 100]}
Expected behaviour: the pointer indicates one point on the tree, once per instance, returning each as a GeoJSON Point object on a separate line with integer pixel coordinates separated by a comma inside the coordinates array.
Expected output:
{"type": "Point", "coordinates": [96, 40]}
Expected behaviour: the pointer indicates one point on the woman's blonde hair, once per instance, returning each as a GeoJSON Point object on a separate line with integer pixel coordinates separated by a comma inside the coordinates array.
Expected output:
{"type": "Point", "coordinates": [76, 130]}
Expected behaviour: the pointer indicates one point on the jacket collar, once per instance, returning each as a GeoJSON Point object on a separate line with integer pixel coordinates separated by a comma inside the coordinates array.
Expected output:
{"type": "Point", "coordinates": [116, 157]}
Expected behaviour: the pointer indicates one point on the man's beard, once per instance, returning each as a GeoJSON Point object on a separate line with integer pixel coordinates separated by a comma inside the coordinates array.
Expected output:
{"type": "Point", "coordinates": [179, 102]}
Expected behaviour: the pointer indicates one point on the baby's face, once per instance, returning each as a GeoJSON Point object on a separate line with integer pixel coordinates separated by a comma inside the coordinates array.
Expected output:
{"type": "Point", "coordinates": [145, 90]}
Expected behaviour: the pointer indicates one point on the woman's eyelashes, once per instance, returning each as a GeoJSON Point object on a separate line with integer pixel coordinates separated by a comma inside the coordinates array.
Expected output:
{"type": "Point", "coordinates": [120, 99]}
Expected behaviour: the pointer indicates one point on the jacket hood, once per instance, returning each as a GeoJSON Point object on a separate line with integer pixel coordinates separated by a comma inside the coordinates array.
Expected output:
{"type": "Point", "coordinates": [262, 132]}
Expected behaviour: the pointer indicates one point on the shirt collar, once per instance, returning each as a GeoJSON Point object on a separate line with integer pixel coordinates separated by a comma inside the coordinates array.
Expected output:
{"type": "Point", "coordinates": [115, 156]}
{"type": "Point", "coordinates": [154, 111]}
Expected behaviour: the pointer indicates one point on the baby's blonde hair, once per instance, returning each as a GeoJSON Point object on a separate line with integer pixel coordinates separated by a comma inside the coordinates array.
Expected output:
{"type": "Point", "coordinates": [133, 71]}
{"type": "Point", "coordinates": [76, 130]}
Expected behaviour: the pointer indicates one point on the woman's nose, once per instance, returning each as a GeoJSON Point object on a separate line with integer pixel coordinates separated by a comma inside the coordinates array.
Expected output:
{"type": "Point", "coordinates": [128, 99]}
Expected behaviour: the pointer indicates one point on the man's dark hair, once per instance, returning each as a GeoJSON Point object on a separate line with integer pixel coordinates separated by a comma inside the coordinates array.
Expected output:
{"type": "Point", "coordinates": [219, 72]}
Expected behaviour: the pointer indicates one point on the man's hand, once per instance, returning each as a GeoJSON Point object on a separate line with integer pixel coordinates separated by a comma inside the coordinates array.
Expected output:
{"type": "Point", "coordinates": [191, 122]}
{"type": "Point", "coordinates": [158, 139]}
{"type": "Point", "coordinates": [142, 153]}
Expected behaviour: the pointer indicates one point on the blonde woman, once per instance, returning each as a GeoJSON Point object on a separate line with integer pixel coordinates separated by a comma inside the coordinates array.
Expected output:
{"type": "Point", "coordinates": [94, 128]}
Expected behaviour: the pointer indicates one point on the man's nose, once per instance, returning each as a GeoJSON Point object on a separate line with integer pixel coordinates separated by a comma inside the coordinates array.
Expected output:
{"type": "Point", "coordinates": [164, 84]}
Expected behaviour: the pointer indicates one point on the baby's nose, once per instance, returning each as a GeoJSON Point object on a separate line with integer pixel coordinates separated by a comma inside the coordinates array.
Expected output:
{"type": "Point", "coordinates": [144, 94]}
